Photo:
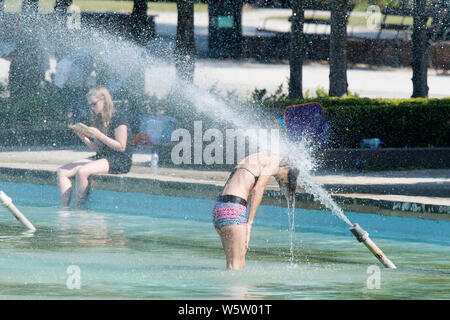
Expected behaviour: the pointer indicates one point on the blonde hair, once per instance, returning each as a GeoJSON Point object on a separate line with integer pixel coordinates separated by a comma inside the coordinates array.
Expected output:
{"type": "Point", "coordinates": [102, 120]}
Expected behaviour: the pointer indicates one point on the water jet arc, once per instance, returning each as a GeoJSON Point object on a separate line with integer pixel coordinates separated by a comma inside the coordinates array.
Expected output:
{"type": "Point", "coordinates": [7, 202]}
{"type": "Point", "coordinates": [362, 236]}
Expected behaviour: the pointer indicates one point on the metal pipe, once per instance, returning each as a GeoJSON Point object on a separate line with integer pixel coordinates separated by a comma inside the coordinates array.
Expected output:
{"type": "Point", "coordinates": [362, 236]}
{"type": "Point", "coordinates": [7, 202]}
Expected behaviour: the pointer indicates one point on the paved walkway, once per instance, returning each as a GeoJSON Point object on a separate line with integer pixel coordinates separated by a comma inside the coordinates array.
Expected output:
{"type": "Point", "coordinates": [389, 190]}
{"type": "Point", "coordinates": [253, 21]}
{"type": "Point", "coordinates": [243, 77]}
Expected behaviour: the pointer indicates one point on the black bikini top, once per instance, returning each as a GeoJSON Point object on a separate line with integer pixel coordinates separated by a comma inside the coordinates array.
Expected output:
{"type": "Point", "coordinates": [234, 171]}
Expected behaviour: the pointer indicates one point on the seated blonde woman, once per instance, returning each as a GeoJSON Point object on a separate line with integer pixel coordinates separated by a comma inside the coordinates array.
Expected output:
{"type": "Point", "coordinates": [109, 136]}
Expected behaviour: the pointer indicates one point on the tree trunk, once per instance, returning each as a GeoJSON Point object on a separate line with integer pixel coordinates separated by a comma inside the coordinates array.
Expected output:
{"type": "Point", "coordinates": [61, 6]}
{"type": "Point", "coordinates": [419, 50]}
{"type": "Point", "coordinates": [185, 50]}
{"type": "Point", "coordinates": [140, 7]}
{"type": "Point", "coordinates": [25, 71]}
{"type": "Point", "coordinates": [225, 28]}
{"type": "Point", "coordinates": [139, 22]}
{"type": "Point", "coordinates": [30, 6]}
{"type": "Point", "coordinates": [338, 50]}
{"type": "Point", "coordinates": [296, 53]}
{"type": "Point", "coordinates": [441, 19]}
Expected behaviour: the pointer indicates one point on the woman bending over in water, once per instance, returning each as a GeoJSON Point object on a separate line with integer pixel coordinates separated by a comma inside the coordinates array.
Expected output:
{"type": "Point", "coordinates": [230, 217]}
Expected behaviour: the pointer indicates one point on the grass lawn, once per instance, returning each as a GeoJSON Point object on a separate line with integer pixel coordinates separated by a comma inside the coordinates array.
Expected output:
{"type": "Point", "coordinates": [125, 6]}
{"type": "Point", "coordinates": [357, 20]}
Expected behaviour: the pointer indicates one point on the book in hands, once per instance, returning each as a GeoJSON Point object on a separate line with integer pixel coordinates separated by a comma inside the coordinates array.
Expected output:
{"type": "Point", "coordinates": [82, 128]}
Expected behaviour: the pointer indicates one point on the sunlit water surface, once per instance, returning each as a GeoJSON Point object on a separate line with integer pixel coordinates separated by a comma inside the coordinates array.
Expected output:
{"type": "Point", "coordinates": [134, 246]}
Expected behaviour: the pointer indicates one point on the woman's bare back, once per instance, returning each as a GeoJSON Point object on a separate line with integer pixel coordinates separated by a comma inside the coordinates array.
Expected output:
{"type": "Point", "coordinates": [245, 175]}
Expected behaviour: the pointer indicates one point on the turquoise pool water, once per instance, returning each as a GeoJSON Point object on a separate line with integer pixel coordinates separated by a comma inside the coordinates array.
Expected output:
{"type": "Point", "coordinates": [140, 246]}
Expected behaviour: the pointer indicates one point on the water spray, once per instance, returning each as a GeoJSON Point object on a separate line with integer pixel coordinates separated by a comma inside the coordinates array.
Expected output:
{"type": "Point", "coordinates": [127, 60]}
{"type": "Point", "coordinates": [7, 202]}
{"type": "Point", "coordinates": [362, 236]}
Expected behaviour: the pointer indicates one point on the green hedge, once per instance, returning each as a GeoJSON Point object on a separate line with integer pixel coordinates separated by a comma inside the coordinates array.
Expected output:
{"type": "Point", "coordinates": [43, 109]}
{"type": "Point", "coordinates": [398, 122]}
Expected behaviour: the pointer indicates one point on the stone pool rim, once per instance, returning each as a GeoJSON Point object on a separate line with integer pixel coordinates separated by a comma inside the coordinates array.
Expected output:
{"type": "Point", "coordinates": [171, 186]}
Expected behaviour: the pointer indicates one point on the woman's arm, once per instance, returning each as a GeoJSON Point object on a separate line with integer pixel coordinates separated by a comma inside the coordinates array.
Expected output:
{"type": "Point", "coordinates": [257, 195]}
{"type": "Point", "coordinates": [118, 143]}
{"type": "Point", "coordinates": [255, 201]}
{"type": "Point", "coordinates": [268, 169]}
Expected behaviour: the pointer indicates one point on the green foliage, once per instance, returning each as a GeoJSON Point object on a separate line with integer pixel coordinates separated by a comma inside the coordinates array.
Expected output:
{"type": "Point", "coordinates": [321, 93]}
{"type": "Point", "coordinates": [420, 122]}
{"type": "Point", "coordinates": [398, 122]}
{"type": "Point", "coordinates": [260, 96]}
{"type": "Point", "coordinates": [230, 96]}
{"type": "Point", "coordinates": [2, 89]}
{"type": "Point", "coordinates": [40, 110]}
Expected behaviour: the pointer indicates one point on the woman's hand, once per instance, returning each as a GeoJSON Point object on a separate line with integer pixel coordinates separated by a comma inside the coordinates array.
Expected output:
{"type": "Point", "coordinates": [92, 144]}
{"type": "Point", "coordinates": [94, 132]}
{"type": "Point", "coordinates": [79, 133]}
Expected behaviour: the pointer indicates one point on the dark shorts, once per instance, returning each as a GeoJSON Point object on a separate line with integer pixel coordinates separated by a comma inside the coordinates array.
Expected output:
{"type": "Point", "coordinates": [116, 164]}
{"type": "Point", "coordinates": [229, 210]}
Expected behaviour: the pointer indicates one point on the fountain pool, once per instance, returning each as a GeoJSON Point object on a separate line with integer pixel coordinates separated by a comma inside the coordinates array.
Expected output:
{"type": "Point", "coordinates": [142, 246]}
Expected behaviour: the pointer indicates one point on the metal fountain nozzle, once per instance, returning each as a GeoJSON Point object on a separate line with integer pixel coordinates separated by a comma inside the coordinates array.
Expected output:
{"type": "Point", "coordinates": [363, 236]}
{"type": "Point", "coordinates": [7, 202]}
{"type": "Point", "coordinates": [360, 234]}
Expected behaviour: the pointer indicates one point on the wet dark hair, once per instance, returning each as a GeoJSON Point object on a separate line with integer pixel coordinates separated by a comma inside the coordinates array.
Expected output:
{"type": "Point", "coordinates": [292, 173]}
{"type": "Point", "coordinates": [292, 180]}
{"type": "Point", "coordinates": [291, 185]}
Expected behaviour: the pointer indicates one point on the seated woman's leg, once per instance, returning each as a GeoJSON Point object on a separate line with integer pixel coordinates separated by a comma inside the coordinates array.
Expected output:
{"type": "Point", "coordinates": [82, 178]}
{"type": "Point", "coordinates": [64, 174]}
